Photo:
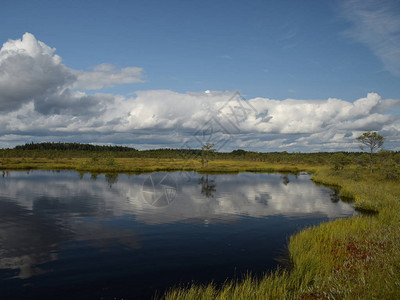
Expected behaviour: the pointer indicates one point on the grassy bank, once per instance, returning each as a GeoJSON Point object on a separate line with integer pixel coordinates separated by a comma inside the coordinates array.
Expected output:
{"type": "Point", "coordinates": [143, 165]}
{"type": "Point", "coordinates": [355, 258]}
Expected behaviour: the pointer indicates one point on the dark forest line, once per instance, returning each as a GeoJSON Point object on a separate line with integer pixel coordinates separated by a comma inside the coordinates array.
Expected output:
{"type": "Point", "coordinates": [71, 150]}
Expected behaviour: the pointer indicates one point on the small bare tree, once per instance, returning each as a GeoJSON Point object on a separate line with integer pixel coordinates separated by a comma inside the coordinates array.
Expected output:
{"type": "Point", "coordinates": [206, 150]}
{"type": "Point", "coordinates": [373, 141]}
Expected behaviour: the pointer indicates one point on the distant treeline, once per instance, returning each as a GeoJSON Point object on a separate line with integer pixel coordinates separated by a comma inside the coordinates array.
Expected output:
{"type": "Point", "coordinates": [72, 147]}
{"type": "Point", "coordinates": [71, 150]}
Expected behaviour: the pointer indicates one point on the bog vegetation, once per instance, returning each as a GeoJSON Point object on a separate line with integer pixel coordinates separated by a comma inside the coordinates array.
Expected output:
{"type": "Point", "coordinates": [355, 258]}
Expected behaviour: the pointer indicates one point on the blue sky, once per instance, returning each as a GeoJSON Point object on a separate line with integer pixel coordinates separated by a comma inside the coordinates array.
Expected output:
{"type": "Point", "coordinates": [309, 51]}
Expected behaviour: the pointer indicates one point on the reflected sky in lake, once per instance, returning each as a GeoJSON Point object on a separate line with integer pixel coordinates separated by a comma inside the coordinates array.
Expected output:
{"type": "Point", "coordinates": [65, 232]}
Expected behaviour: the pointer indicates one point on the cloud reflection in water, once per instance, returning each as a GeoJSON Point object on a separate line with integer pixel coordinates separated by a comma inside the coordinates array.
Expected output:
{"type": "Point", "coordinates": [43, 212]}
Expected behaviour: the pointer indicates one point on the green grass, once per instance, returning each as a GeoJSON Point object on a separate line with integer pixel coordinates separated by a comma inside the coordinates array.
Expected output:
{"type": "Point", "coordinates": [137, 165]}
{"type": "Point", "coordinates": [274, 285]}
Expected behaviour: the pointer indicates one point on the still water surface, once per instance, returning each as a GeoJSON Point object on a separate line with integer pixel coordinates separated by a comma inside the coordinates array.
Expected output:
{"type": "Point", "coordinates": [65, 235]}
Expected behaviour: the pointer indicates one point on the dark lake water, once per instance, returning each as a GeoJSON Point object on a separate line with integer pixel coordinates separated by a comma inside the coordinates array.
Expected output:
{"type": "Point", "coordinates": [65, 235]}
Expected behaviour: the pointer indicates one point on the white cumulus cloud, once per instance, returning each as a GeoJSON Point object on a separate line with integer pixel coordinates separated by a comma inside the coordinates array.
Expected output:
{"type": "Point", "coordinates": [31, 72]}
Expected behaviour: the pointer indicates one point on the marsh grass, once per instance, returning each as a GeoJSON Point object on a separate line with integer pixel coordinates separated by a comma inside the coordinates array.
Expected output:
{"type": "Point", "coordinates": [138, 165]}
{"type": "Point", "coordinates": [273, 284]}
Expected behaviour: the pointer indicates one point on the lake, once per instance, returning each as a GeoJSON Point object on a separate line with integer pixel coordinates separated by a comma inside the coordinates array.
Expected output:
{"type": "Point", "coordinates": [65, 235]}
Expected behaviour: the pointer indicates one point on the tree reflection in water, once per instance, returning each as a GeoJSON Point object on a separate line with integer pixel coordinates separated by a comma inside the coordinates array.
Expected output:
{"type": "Point", "coordinates": [208, 186]}
{"type": "Point", "coordinates": [285, 178]}
{"type": "Point", "coordinates": [111, 179]}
